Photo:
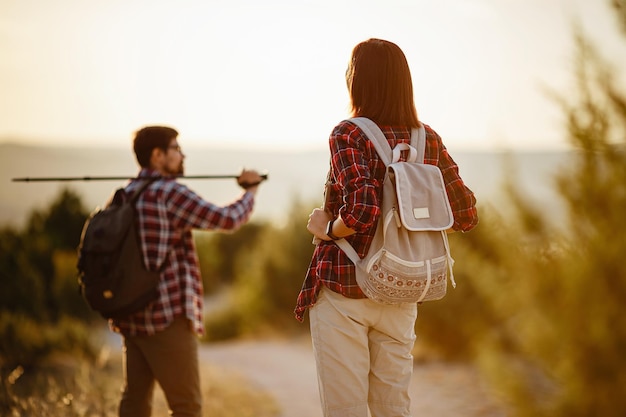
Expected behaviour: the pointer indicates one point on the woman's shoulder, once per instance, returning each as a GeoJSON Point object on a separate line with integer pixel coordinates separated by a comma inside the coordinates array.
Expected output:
{"type": "Point", "coordinates": [431, 135]}
{"type": "Point", "coordinates": [428, 129]}
{"type": "Point", "coordinates": [347, 134]}
{"type": "Point", "coordinates": [345, 126]}
{"type": "Point", "coordinates": [349, 130]}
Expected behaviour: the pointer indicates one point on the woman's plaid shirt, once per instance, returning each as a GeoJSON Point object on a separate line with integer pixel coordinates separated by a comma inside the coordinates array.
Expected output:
{"type": "Point", "coordinates": [167, 212]}
{"type": "Point", "coordinates": [356, 177]}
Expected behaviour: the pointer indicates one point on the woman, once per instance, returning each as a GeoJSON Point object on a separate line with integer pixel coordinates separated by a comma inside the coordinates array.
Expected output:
{"type": "Point", "coordinates": [363, 348]}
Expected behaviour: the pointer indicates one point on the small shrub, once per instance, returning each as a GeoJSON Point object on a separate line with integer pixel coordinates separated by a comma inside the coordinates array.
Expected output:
{"type": "Point", "coordinates": [27, 342]}
{"type": "Point", "coordinates": [221, 325]}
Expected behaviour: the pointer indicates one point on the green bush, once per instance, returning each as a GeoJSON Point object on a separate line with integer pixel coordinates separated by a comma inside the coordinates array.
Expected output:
{"type": "Point", "coordinates": [21, 282]}
{"type": "Point", "coordinates": [217, 251]}
{"type": "Point", "coordinates": [25, 341]}
{"type": "Point", "coordinates": [223, 324]}
{"type": "Point", "coordinates": [65, 288]}
{"type": "Point", "coordinates": [61, 223]}
{"type": "Point", "coordinates": [267, 278]}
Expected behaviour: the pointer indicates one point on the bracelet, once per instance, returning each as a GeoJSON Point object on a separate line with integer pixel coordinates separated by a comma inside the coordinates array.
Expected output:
{"type": "Point", "coordinates": [329, 230]}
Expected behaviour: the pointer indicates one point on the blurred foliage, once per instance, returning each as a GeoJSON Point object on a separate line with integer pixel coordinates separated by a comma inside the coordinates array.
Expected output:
{"type": "Point", "coordinates": [223, 324]}
{"type": "Point", "coordinates": [28, 277]}
{"type": "Point", "coordinates": [21, 282]}
{"type": "Point", "coordinates": [25, 341]}
{"type": "Point", "coordinates": [217, 250]}
{"type": "Point", "coordinates": [61, 223]}
{"type": "Point", "coordinates": [539, 307]}
{"type": "Point", "coordinates": [44, 320]}
{"type": "Point", "coordinates": [620, 11]}
{"type": "Point", "coordinates": [267, 279]}
{"type": "Point", "coordinates": [40, 308]}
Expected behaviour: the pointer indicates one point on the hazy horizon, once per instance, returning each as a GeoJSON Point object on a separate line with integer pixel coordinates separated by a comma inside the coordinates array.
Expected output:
{"type": "Point", "coordinates": [293, 175]}
{"type": "Point", "coordinates": [470, 144]}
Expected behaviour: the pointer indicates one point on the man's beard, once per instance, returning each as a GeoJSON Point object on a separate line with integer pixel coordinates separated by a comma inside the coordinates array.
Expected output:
{"type": "Point", "coordinates": [177, 172]}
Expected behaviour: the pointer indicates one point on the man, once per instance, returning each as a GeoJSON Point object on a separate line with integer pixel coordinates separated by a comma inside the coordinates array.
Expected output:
{"type": "Point", "coordinates": [160, 342]}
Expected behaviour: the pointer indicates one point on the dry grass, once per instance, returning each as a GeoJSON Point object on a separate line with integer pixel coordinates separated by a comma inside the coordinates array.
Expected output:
{"type": "Point", "coordinates": [70, 387]}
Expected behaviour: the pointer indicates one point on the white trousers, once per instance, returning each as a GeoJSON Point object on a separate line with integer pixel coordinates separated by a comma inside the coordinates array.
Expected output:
{"type": "Point", "coordinates": [363, 355]}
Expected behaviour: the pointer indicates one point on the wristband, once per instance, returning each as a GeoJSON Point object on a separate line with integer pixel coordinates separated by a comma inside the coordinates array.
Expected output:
{"type": "Point", "coordinates": [329, 230]}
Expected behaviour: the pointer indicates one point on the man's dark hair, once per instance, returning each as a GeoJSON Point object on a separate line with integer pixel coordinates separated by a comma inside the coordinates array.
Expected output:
{"type": "Point", "coordinates": [380, 85]}
{"type": "Point", "coordinates": [150, 137]}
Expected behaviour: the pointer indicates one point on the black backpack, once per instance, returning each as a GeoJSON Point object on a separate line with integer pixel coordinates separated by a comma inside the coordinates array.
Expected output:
{"type": "Point", "coordinates": [112, 276]}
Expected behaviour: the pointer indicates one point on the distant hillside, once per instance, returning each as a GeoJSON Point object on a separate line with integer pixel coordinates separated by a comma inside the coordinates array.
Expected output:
{"type": "Point", "coordinates": [291, 175]}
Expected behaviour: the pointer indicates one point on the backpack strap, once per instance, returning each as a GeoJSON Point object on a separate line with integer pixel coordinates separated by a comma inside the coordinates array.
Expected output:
{"type": "Point", "coordinates": [145, 183]}
{"type": "Point", "coordinates": [376, 136]}
{"type": "Point", "coordinates": [418, 141]}
{"type": "Point", "coordinates": [347, 248]}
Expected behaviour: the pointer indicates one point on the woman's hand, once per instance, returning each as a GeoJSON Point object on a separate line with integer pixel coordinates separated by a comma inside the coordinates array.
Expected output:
{"type": "Point", "coordinates": [318, 219]}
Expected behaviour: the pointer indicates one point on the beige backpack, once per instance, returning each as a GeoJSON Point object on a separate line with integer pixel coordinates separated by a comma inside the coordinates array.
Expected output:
{"type": "Point", "coordinates": [409, 258]}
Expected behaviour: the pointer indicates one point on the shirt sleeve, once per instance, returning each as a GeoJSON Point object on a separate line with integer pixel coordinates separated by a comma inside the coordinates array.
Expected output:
{"type": "Point", "coordinates": [462, 199]}
{"type": "Point", "coordinates": [359, 208]}
{"type": "Point", "coordinates": [187, 210]}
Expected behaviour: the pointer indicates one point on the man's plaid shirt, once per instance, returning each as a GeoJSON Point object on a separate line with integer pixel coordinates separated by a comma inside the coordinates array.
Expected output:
{"type": "Point", "coordinates": [167, 212]}
{"type": "Point", "coordinates": [356, 177]}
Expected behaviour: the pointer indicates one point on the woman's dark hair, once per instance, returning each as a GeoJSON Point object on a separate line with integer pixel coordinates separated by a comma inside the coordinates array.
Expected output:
{"type": "Point", "coordinates": [150, 137]}
{"type": "Point", "coordinates": [380, 85]}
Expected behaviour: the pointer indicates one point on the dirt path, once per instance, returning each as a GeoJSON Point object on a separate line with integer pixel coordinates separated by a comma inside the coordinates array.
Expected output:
{"type": "Point", "coordinates": [285, 368]}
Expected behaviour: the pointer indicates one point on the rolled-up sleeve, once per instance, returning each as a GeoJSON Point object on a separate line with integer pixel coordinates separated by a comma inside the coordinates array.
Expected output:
{"type": "Point", "coordinates": [190, 211]}
{"type": "Point", "coordinates": [462, 199]}
{"type": "Point", "coordinates": [360, 207]}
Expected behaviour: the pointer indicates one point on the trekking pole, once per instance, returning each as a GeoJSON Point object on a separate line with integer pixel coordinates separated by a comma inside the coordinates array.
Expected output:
{"type": "Point", "coordinates": [92, 178]}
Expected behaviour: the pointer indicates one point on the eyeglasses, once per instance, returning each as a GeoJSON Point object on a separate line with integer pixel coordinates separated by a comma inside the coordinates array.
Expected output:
{"type": "Point", "coordinates": [176, 148]}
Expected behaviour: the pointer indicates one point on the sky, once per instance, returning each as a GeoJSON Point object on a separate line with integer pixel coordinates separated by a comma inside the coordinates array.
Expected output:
{"type": "Point", "coordinates": [270, 74]}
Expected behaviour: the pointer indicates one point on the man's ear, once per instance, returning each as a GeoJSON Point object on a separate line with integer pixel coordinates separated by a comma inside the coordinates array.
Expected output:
{"type": "Point", "coordinates": [156, 158]}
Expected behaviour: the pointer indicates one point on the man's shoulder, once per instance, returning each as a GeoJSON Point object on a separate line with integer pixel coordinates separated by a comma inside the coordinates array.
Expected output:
{"type": "Point", "coordinates": [170, 186]}
{"type": "Point", "coordinates": [161, 186]}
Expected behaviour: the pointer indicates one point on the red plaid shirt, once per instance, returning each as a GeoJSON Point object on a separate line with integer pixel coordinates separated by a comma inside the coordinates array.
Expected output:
{"type": "Point", "coordinates": [356, 180]}
{"type": "Point", "coordinates": [167, 212]}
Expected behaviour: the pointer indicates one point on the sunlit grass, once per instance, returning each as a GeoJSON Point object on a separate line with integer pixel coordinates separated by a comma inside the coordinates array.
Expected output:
{"type": "Point", "coordinates": [67, 387]}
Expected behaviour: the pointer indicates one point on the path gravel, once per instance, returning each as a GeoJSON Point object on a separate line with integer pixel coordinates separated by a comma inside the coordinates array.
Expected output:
{"type": "Point", "coordinates": [286, 369]}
